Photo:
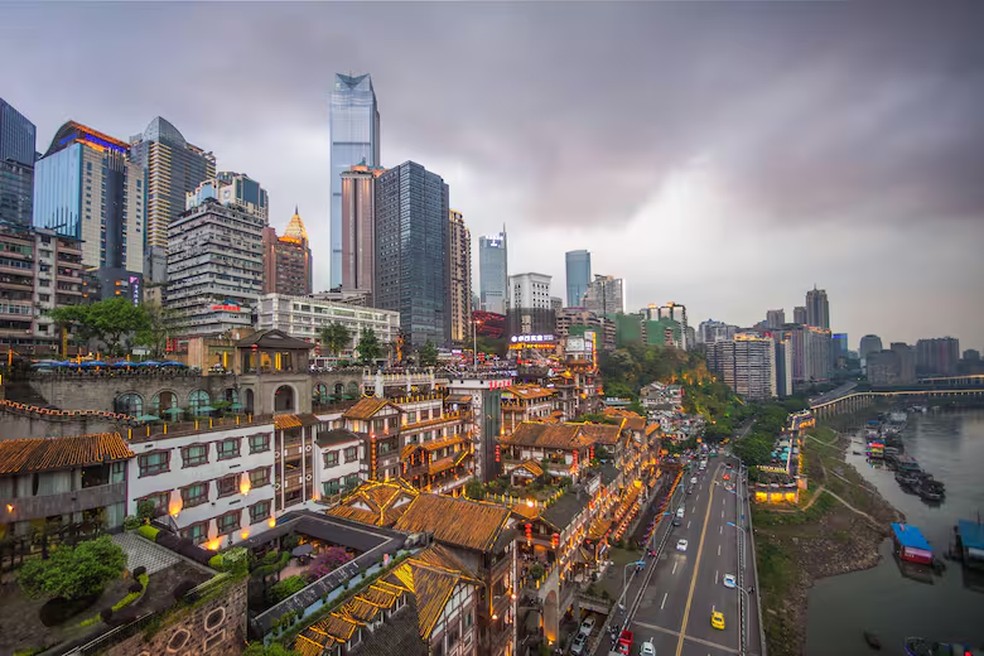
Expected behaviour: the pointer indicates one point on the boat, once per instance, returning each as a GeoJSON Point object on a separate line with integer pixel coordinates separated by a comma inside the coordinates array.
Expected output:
{"type": "Point", "coordinates": [922, 647]}
{"type": "Point", "coordinates": [872, 640]}
{"type": "Point", "coordinates": [910, 545]}
{"type": "Point", "coordinates": [931, 490]}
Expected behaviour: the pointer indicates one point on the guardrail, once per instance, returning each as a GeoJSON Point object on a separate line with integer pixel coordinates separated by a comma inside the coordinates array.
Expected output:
{"type": "Point", "coordinates": [740, 540]}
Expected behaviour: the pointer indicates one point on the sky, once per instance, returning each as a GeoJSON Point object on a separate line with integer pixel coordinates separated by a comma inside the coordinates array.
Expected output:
{"type": "Point", "coordinates": [727, 156]}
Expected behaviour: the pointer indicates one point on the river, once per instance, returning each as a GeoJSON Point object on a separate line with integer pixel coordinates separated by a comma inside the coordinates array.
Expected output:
{"type": "Point", "coordinates": [949, 445]}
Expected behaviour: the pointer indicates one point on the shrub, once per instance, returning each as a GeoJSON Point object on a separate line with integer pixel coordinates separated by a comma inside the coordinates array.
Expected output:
{"type": "Point", "coordinates": [106, 614]}
{"type": "Point", "coordinates": [74, 572]}
{"type": "Point", "coordinates": [236, 560]}
{"type": "Point", "coordinates": [168, 540]}
{"type": "Point", "coordinates": [183, 588]}
{"type": "Point", "coordinates": [135, 587]}
{"type": "Point", "coordinates": [131, 522]}
{"type": "Point", "coordinates": [217, 562]}
{"type": "Point", "coordinates": [125, 616]}
{"type": "Point", "coordinates": [139, 571]}
{"type": "Point", "coordinates": [148, 531]}
{"type": "Point", "coordinates": [146, 510]}
{"type": "Point", "coordinates": [289, 586]}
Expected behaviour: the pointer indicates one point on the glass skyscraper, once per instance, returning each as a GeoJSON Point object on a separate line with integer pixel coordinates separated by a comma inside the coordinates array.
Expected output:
{"type": "Point", "coordinates": [412, 263]}
{"type": "Point", "coordinates": [174, 168]}
{"type": "Point", "coordinates": [493, 281]}
{"type": "Point", "coordinates": [17, 141]}
{"type": "Point", "coordinates": [578, 276]}
{"type": "Point", "coordinates": [354, 125]}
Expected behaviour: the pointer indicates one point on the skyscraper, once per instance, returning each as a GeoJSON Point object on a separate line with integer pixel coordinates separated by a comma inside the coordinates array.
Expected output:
{"type": "Point", "coordinates": [85, 187]}
{"type": "Point", "coordinates": [817, 308]}
{"type": "Point", "coordinates": [412, 261]}
{"type": "Point", "coordinates": [493, 272]}
{"type": "Point", "coordinates": [287, 260]}
{"type": "Point", "coordinates": [354, 125]}
{"type": "Point", "coordinates": [359, 228]}
{"type": "Point", "coordinates": [937, 356]}
{"type": "Point", "coordinates": [530, 291]}
{"type": "Point", "coordinates": [775, 318]}
{"type": "Point", "coordinates": [869, 344]}
{"type": "Point", "coordinates": [174, 168]}
{"type": "Point", "coordinates": [17, 142]}
{"type": "Point", "coordinates": [907, 362]}
{"type": "Point", "coordinates": [747, 364]}
{"type": "Point", "coordinates": [459, 254]}
{"type": "Point", "coordinates": [605, 295]}
{"type": "Point", "coordinates": [799, 314]}
{"type": "Point", "coordinates": [675, 312]}
{"type": "Point", "coordinates": [578, 276]}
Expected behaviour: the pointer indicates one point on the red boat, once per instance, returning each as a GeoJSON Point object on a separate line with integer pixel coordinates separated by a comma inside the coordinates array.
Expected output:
{"type": "Point", "coordinates": [910, 545]}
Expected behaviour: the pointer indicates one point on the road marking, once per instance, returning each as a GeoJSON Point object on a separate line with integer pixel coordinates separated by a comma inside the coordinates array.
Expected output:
{"type": "Point", "coordinates": [693, 580]}
{"type": "Point", "coordinates": [674, 567]}
{"type": "Point", "coordinates": [721, 530]}
{"type": "Point", "coordinates": [664, 600]}
{"type": "Point", "coordinates": [688, 524]}
{"type": "Point", "coordinates": [722, 514]}
{"type": "Point", "coordinates": [716, 572]}
{"type": "Point", "coordinates": [723, 499]}
{"type": "Point", "coordinates": [719, 549]}
{"type": "Point", "coordinates": [706, 643]}
{"type": "Point", "coordinates": [694, 509]}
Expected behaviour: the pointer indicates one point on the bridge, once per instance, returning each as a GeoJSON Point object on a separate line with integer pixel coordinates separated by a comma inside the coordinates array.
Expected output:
{"type": "Point", "coordinates": [856, 401]}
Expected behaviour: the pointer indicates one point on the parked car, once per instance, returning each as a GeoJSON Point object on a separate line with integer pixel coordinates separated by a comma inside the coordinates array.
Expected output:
{"type": "Point", "coordinates": [625, 642]}
{"type": "Point", "coordinates": [580, 642]}
{"type": "Point", "coordinates": [587, 625]}
{"type": "Point", "coordinates": [680, 512]}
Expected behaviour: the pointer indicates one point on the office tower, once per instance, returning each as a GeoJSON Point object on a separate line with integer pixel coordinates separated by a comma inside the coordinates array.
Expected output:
{"type": "Point", "coordinates": [529, 291]}
{"type": "Point", "coordinates": [907, 362]}
{"type": "Point", "coordinates": [817, 308]}
{"type": "Point", "coordinates": [354, 125]}
{"type": "Point", "coordinates": [215, 255]}
{"type": "Point", "coordinates": [173, 168]}
{"type": "Point", "coordinates": [710, 331]}
{"type": "Point", "coordinates": [869, 344]}
{"type": "Point", "coordinates": [775, 319]}
{"type": "Point", "coordinates": [799, 314]}
{"type": "Point", "coordinates": [747, 364]}
{"type": "Point", "coordinates": [86, 188]}
{"type": "Point", "coordinates": [811, 347]}
{"type": "Point", "coordinates": [459, 254]}
{"type": "Point", "coordinates": [838, 350]}
{"type": "Point", "coordinates": [605, 295]}
{"type": "Point", "coordinates": [493, 272]}
{"type": "Point", "coordinates": [412, 272]}
{"type": "Point", "coordinates": [17, 142]}
{"type": "Point", "coordinates": [937, 356]}
{"type": "Point", "coordinates": [359, 228]}
{"type": "Point", "coordinates": [578, 276]}
{"type": "Point", "coordinates": [287, 259]}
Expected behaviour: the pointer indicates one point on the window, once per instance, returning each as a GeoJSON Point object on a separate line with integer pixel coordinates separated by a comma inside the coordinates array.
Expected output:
{"type": "Point", "coordinates": [194, 455]}
{"type": "Point", "coordinates": [258, 512]}
{"type": "Point", "coordinates": [351, 453]}
{"type": "Point", "coordinates": [159, 500]}
{"type": "Point", "coordinates": [332, 487]}
{"type": "Point", "coordinates": [227, 485]}
{"type": "Point", "coordinates": [229, 521]}
{"type": "Point", "coordinates": [352, 481]}
{"type": "Point", "coordinates": [259, 477]}
{"type": "Point", "coordinates": [229, 448]}
{"type": "Point", "coordinates": [197, 533]}
{"type": "Point", "coordinates": [331, 458]}
{"type": "Point", "coordinates": [194, 495]}
{"type": "Point", "coordinates": [156, 462]}
{"type": "Point", "coordinates": [259, 443]}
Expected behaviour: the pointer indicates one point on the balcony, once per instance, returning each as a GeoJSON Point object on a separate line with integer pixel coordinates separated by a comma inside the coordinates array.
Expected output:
{"type": "Point", "coordinates": [39, 507]}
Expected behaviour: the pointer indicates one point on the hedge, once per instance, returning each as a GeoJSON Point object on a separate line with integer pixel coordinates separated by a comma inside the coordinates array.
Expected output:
{"type": "Point", "coordinates": [148, 531]}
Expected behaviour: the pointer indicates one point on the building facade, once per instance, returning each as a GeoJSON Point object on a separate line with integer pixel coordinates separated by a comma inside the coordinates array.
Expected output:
{"type": "Point", "coordinates": [937, 356]}
{"type": "Point", "coordinates": [359, 228]}
{"type": "Point", "coordinates": [287, 265]}
{"type": "Point", "coordinates": [18, 137]}
{"type": "Point", "coordinates": [459, 254]}
{"type": "Point", "coordinates": [675, 312]}
{"type": "Point", "coordinates": [412, 264]}
{"type": "Point", "coordinates": [578, 276]}
{"type": "Point", "coordinates": [529, 291]}
{"type": "Point", "coordinates": [711, 331]}
{"type": "Point", "coordinates": [354, 125]}
{"type": "Point", "coordinates": [747, 364]}
{"type": "Point", "coordinates": [304, 317]}
{"type": "Point", "coordinates": [605, 295]}
{"type": "Point", "coordinates": [869, 344]}
{"type": "Point", "coordinates": [817, 308]}
{"type": "Point", "coordinates": [493, 272]}
{"type": "Point", "coordinates": [173, 169]}
{"type": "Point", "coordinates": [775, 318]}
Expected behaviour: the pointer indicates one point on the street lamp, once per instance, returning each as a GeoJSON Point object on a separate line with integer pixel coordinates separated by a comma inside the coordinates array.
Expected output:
{"type": "Point", "coordinates": [735, 526]}
{"type": "Point", "coordinates": [634, 563]}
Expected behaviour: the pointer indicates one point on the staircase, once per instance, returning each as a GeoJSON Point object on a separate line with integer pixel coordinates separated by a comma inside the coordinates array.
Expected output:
{"type": "Point", "coordinates": [20, 391]}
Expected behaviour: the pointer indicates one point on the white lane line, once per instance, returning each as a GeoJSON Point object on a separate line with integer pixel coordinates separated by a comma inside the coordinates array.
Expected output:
{"type": "Point", "coordinates": [694, 509]}
{"type": "Point", "coordinates": [688, 524]}
{"type": "Point", "coordinates": [722, 514]}
{"type": "Point", "coordinates": [664, 600]}
{"type": "Point", "coordinates": [719, 549]}
{"type": "Point", "coordinates": [721, 530]}
{"type": "Point", "coordinates": [716, 572]}
{"type": "Point", "coordinates": [674, 566]}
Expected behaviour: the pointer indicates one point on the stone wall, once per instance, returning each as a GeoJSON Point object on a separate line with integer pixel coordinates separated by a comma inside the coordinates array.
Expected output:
{"type": "Point", "coordinates": [14, 425]}
{"type": "Point", "coordinates": [215, 628]}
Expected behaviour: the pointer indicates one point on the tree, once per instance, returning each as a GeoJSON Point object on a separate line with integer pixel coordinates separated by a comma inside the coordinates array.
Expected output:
{"type": "Point", "coordinates": [74, 572]}
{"type": "Point", "coordinates": [369, 348]}
{"type": "Point", "coordinates": [108, 321]}
{"type": "Point", "coordinates": [474, 489]}
{"type": "Point", "coordinates": [428, 354]}
{"type": "Point", "coordinates": [273, 649]}
{"type": "Point", "coordinates": [328, 561]}
{"type": "Point", "coordinates": [335, 337]}
{"type": "Point", "coordinates": [157, 330]}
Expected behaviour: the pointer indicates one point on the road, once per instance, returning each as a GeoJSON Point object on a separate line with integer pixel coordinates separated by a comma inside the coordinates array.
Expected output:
{"type": "Point", "coordinates": [674, 607]}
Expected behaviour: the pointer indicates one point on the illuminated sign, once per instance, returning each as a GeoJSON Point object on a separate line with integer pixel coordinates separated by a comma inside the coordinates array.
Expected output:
{"type": "Point", "coordinates": [500, 384]}
{"type": "Point", "coordinates": [226, 307]}
{"type": "Point", "coordinates": [135, 289]}
{"type": "Point", "coordinates": [531, 339]}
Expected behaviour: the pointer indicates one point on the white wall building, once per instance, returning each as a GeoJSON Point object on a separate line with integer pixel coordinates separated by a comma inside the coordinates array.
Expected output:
{"type": "Point", "coordinates": [529, 291]}
{"type": "Point", "coordinates": [304, 317]}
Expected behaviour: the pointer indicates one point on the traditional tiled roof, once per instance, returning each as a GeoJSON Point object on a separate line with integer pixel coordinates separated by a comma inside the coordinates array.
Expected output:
{"type": "Point", "coordinates": [380, 501]}
{"type": "Point", "coordinates": [562, 511]}
{"type": "Point", "coordinates": [283, 422]}
{"type": "Point", "coordinates": [532, 466]}
{"type": "Point", "coordinates": [458, 398]}
{"type": "Point", "coordinates": [454, 521]}
{"type": "Point", "coordinates": [651, 428]}
{"type": "Point", "coordinates": [633, 420]}
{"type": "Point", "coordinates": [337, 436]}
{"type": "Point", "coordinates": [440, 465]}
{"type": "Point", "coordinates": [274, 339]}
{"type": "Point", "coordinates": [601, 433]}
{"type": "Point", "coordinates": [548, 436]}
{"type": "Point", "coordinates": [434, 445]}
{"type": "Point", "coordinates": [38, 454]}
{"type": "Point", "coordinates": [367, 407]}
{"type": "Point", "coordinates": [530, 392]}
{"type": "Point", "coordinates": [526, 512]}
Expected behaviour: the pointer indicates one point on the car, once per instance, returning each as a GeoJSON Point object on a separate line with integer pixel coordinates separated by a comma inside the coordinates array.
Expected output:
{"type": "Point", "coordinates": [625, 642]}
{"type": "Point", "coordinates": [729, 581]}
{"type": "Point", "coordinates": [682, 545]}
{"type": "Point", "coordinates": [717, 620]}
{"type": "Point", "coordinates": [647, 649]}
{"type": "Point", "coordinates": [679, 513]}
{"type": "Point", "coordinates": [693, 481]}
{"type": "Point", "coordinates": [727, 465]}
{"type": "Point", "coordinates": [677, 521]}
{"type": "Point", "coordinates": [727, 477]}
{"type": "Point", "coordinates": [580, 642]}
{"type": "Point", "coordinates": [587, 625]}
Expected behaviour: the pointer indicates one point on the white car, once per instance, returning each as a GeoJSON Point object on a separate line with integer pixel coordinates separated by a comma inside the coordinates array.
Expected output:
{"type": "Point", "coordinates": [647, 649]}
{"type": "Point", "coordinates": [587, 625]}
{"type": "Point", "coordinates": [679, 513]}
{"type": "Point", "coordinates": [729, 581]}
{"type": "Point", "coordinates": [681, 545]}
{"type": "Point", "coordinates": [580, 641]}
{"type": "Point", "coordinates": [693, 481]}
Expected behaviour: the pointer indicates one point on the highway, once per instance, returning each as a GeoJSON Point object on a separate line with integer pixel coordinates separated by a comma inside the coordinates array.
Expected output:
{"type": "Point", "coordinates": [672, 604]}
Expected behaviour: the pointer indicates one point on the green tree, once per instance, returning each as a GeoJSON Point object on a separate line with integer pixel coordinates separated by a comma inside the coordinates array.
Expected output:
{"type": "Point", "coordinates": [335, 337]}
{"type": "Point", "coordinates": [109, 321]}
{"type": "Point", "coordinates": [155, 333]}
{"type": "Point", "coordinates": [428, 354]}
{"type": "Point", "coordinates": [474, 489]}
{"type": "Point", "coordinates": [74, 572]}
{"type": "Point", "coordinates": [369, 348]}
{"type": "Point", "coordinates": [273, 649]}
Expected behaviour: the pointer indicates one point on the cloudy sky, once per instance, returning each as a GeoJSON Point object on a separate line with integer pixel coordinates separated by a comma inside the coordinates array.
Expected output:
{"type": "Point", "coordinates": [727, 156]}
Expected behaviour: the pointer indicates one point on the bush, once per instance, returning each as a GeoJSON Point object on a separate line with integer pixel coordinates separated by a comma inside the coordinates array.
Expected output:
{"type": "Point", "coordinates": [217, 562]}
{"type": "Point", "coordinates": [139, 571]}
{"type": "Point", "coordinates": [289, 586]}
{"type": "Point", "coordinates": [146, 510]}
{"type": "Point", "coordinates": [168, 540]}
{"type": "Point", "coordinates": [131, 522]}
{"type": "Point", "coordinates": [236, 560]}
{"type": "Point", "coordinates": [135, 587]}
{"type": "Point", "coordinates": [106, 614]}
{"type": "Point", "coordinates": [74, 572]}
{"type": "Point", "coordinates": [125, 616]}
{"type": "Point", "coordinates": [183, 588]}
{"type": "Point", "coordinates": [148, 531]}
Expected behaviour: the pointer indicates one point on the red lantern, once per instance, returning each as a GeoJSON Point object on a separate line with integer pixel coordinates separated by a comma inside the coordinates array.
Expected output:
{"type": "Point", "coordinates": [575, 458]}
{"type": "Point", "coordinates": [591, 452]}
{"type": "Point", "coordinates": [555, 540]}
{"type": "Point", "coordinates": [498, 453]}
{"type": "Point", "coordinates": [529, 532]}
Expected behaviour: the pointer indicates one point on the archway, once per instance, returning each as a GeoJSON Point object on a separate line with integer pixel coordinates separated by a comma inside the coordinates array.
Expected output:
{"type": "Point", "coordinates": [283, 399]}
{"type": "Point", "coordinates": [231, 396]}
{"type": "Point", "coordinates": [164, 404]}
{"type": "Point", "coordinates": [339, 391]}
{"type": "Point", "coordinates": [199, 403]}
{"type": "Point", "coordinates": [249, 401]}
{"type": "Point", "coordinates": [319, 394]}
{"type": "Point", "coordinates": [352, 390]}
{"type": "Point", "coordinates": [130, 403]}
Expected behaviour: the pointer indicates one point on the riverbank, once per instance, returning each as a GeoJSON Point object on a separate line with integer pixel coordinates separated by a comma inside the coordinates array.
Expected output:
{"type": "Point", "coordinates": [836, 528]}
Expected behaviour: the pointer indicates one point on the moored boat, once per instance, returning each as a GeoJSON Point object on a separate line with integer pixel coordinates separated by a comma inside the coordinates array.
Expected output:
{"type": "Point", "coordinates": [922, 647]}
{"type": "Point", "coordinates": [910, 545]}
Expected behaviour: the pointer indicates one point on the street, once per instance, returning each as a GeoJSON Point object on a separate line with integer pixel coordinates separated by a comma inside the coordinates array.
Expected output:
{"type": "Point", "coordinates": [675, 605]}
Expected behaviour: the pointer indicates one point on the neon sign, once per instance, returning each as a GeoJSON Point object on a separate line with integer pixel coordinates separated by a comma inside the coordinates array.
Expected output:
{"type": "Point", "coordinates": [531, 339]}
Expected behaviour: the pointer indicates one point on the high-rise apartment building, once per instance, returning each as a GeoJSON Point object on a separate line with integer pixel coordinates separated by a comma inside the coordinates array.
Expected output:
{"type": "Point", "coordinates": [709, 331]}
{"type": "Point", "coordinates": [578, 276]}
{"type": "Point", "coordinates": [529, 291]}
{"type": "Point", "coordinates": [412, 264]}
{"type": "Point", "coordinates": [354, 125]}
{"type": "Point", "coordinates": [799, 314]}
{"type": "Point", "coordinates": [775, 319]}
{"type": "Point", "coordinates": [85, 187]}
{"type": "Point", "coordinates": [493, 272]}
{"type": "Point", "coordinates": [907, 362]}
{"type": "Point", "coordinates": [747, 364]}
{"type": "Point", "coordinates": [18, 137]}
{"type": "Point", "coordinates": [675, 312]}
{"type": "Point", "coordinates": [784, 367]}
{"type": "Point", "coordinates": [605, 295]}
{"type": "Point", "coordinates": [173, 168]}
{"type": "Point", "coordinates": [287, 263]}
{"type": "Point", "coordinates": [869, 344]}
{"type": "Point", "coordinates": [459, 253]}
{"type": "Point", "coordinates": [811, 348]}
{"type": "Point", "coordinates": [215, 255]}
{"type": "Point", "coordinates": [817, 308]}
{"type": "Point", "coordinates": [359, 228]}
{"type": "Point", "coordinates": [937, 356]}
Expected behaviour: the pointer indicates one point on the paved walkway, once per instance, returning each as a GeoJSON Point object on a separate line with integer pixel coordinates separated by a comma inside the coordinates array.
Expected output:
{"type": "Point", "coordinates": [144, 552]}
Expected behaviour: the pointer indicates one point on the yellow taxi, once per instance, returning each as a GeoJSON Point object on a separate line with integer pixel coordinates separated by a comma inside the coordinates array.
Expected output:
{"type": "Point", "coordinates": [717, 620]}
